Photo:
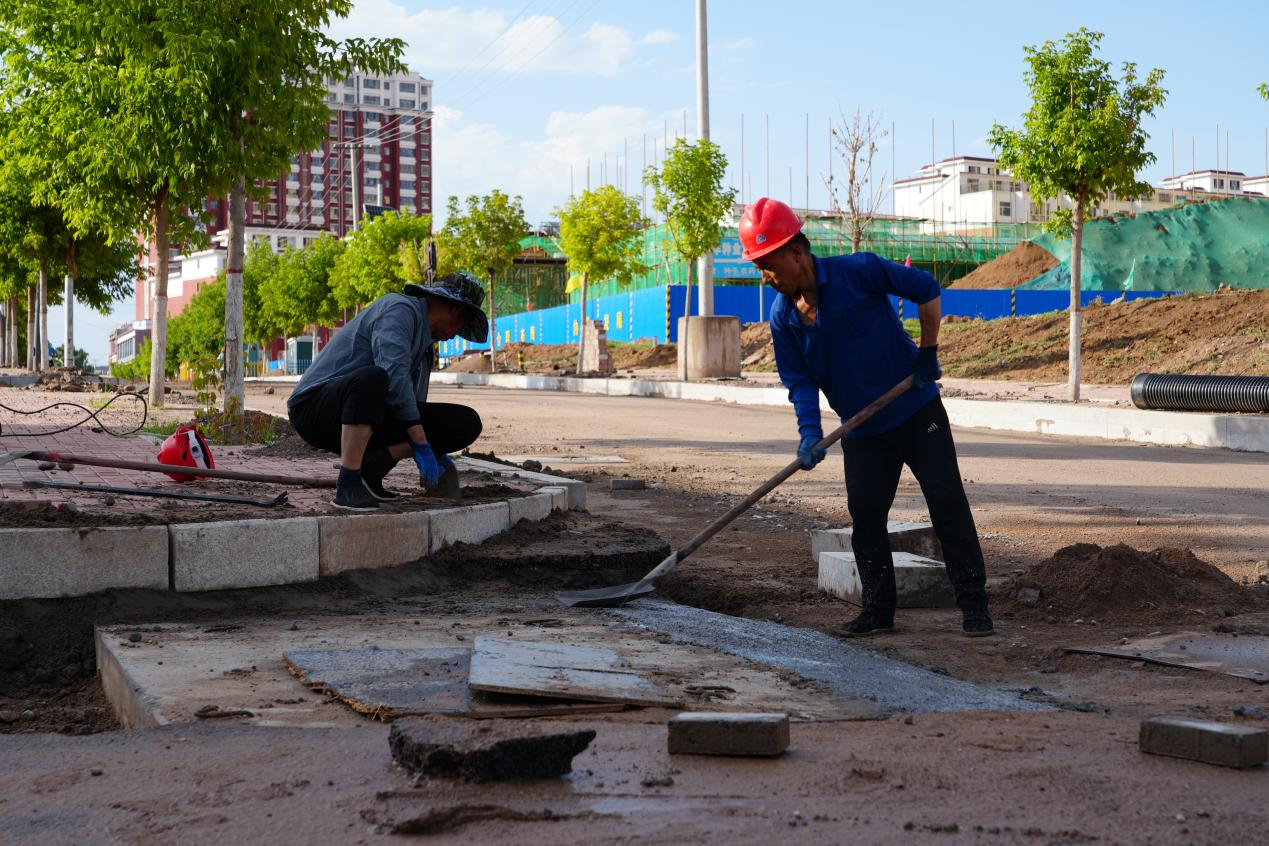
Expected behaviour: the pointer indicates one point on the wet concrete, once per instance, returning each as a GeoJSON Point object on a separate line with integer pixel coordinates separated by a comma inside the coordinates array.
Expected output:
{"type": "Point", "coordinates": [843, 668]}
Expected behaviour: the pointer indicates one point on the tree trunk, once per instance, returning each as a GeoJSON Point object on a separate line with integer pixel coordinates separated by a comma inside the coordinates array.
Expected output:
{"type": "Point", "coordinates": [493, 328]}
{"type": "Point", "coordinates": [1077, 246]}
{"type": "Point", "coordinates": [68, 349]}
{"type": "Point", "coordinates": [4, 333]}
{"type": "Point", "coordinates": [235, 387]}
{"type": "Point", "coordinates": [30, 328]}
{"type": "Point", "coordinates": [42, 358]}
{"type": "Point", "coordinates": [581, 327]}
{"type": "Point", "coordinates": [158, 336]}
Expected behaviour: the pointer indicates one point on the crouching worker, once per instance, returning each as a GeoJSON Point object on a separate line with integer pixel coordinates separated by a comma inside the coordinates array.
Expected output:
{"type": "Point", "coordinates": [365, 397]}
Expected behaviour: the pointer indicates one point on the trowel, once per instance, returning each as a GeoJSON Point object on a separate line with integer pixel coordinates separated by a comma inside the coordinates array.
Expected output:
{"type": "Point", "coordinates": [612, 597]}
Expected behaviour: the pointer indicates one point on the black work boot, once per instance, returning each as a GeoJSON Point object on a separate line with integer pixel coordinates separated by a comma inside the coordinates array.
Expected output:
{"type": "Point", "coordinates": [375, 465]}
{"type": "Point", "coordinates": [977, 624]}
{"type": "Point", "coordinates": [351, 493]}
{"type": "Point", "coordinates": [869, 622]}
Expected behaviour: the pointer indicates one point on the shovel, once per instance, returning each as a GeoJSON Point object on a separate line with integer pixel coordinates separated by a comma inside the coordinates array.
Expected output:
{"type": "Point", "coordinates": [613, 597]}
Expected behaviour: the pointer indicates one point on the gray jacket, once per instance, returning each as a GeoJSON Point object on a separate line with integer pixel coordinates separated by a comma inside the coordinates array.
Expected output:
{"type": "Point", "coordinates": [391, 332]}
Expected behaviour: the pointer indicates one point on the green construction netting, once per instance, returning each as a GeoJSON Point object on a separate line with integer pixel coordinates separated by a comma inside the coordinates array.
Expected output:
{"type": "Point", "coordinates": [1195, 247]}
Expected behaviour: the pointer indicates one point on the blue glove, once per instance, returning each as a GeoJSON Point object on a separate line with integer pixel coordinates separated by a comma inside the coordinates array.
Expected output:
{"type": "Point", "coordinates": [926, 369]}
{"type": "Point", "coordinates": [429, 467]}
{"type": "Point", "coordinates": [447, 463]}
{"type": "Point", "coordinates": [807, 453]}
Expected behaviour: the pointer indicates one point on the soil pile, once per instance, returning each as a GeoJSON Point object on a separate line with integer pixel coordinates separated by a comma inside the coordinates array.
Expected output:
{"type": "Point", "coordinates": [473, 363]}
{"type": "Point", "coordinates": [756, 352]}
{"type": "Point", "coordinates": [1119, 584]}
{"type": "Point", "coordinates": [1021, 264]}
{"type": "Point", "coordinates": [1224, 333]}
{"type": "Point", "coordinates": [630, 356]}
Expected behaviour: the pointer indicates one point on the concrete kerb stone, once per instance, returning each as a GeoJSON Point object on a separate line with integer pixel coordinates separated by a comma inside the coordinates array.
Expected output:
{"type": "Point", "coordinates": [917, 538]}
{"type": "Point", "coordinates": [533, 508]}
{"type": "Point", "coordinates": [470, 524]}
{"type": "Point", "coordinates": [131, 705]}
{"type": "Point", "coordinates": [576, 489]}
{"type": "Point", "coordinates": [1223, 744]}
{"type": "Point", "coordinates": [44, 563]}
{"type": "Point", "coordinates": [244, 553]}
{"type": "Point", "coordinates": [371, 541]}
{"type": "Point", "coordinates": [559, 497]}
{"type": "Point", "coordinates": [919, 582]}
{"type": "Point", "coordinates": [702, 733]}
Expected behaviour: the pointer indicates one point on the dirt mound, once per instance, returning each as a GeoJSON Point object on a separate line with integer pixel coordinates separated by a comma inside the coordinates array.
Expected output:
{"type": "Point", "coordinates": [756, 352]}
{"type": "Point", "coordinates": [1021, 264]}
{"type": "Point", "coordinates": [630, 356]}
{"type": "Point", "coordinates": [1119, 584]}
{"type": "Point", "coordinates": [472, 363]}
{"type": "Point", "coordinates": [1223, 333]}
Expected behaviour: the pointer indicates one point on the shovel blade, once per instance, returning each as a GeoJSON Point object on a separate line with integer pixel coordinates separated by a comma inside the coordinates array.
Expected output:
{"type": "Point", "coordinates": [608, 597]}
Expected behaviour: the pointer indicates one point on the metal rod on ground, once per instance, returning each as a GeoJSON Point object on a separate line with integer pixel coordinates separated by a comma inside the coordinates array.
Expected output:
{"type": "Point", "coordinates": [117, 491]}
{"type": "Point", "coordinates": [146, 466]}
{"type": "Point", "coordinates": [619, 595]}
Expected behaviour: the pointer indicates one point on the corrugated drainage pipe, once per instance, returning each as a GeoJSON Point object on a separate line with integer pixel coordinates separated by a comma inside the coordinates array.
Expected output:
{"type": "Point", "coordinates": [1201, 393]}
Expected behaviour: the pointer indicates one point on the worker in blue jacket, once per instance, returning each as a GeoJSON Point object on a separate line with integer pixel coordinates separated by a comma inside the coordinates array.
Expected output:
{"type": "Point", "coordinates": [834, 330]}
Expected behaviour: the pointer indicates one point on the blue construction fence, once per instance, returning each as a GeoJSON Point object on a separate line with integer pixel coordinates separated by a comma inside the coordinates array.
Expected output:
{"type": "Point", "coordinates": [653, 313]}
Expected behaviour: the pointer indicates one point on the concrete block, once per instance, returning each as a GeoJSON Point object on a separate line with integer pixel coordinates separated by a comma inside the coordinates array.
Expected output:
{"type": "Point", "coordinates": [698, 733]}
{"type": "Point", "coordinates": [484, 750]}
{"type": "Point", "coordinates": [533, 508]}
{"type": "Point", "coordinates": [244, 553]}
{"type": "Point", "coordinates": [71, 562]}
{"type": "Point", "coordinates": [370, 541]}
{"type": "Point", "coordinates": [712, 346]}
{"type": "Point", "coordinates": [919, 582]}
{"type": "Point", "coordinates": [1222, 744]}
{"type": "Point", "coordinates": [627, 485]}
{"type": "Point", "coordinates": [559, 497]}
{"type": "Point", "coordinates": [468, 524]}
{"type": "Point", "coordinates": [916, 538]}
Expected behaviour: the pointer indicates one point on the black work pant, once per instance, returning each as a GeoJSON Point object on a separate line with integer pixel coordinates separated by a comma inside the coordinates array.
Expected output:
{"type": "Point", "coordinates": [360, 398]}
{"type": "Point", "coordinates": [873, 464]}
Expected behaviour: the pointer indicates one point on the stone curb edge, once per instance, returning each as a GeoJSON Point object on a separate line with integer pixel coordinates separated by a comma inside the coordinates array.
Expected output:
{"type": "Point", "coordinates": [1248, 433]}
{"type": "Point", "coordinates": [44, 563]}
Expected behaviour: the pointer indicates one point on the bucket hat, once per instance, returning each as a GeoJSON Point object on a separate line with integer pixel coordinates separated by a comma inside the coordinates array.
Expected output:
{"type": "Point", "coordinates": [460, 288]}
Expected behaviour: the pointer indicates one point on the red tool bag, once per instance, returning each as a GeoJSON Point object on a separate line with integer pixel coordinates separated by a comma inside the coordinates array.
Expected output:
{"type": "Point", "coordinates": [186, 447]}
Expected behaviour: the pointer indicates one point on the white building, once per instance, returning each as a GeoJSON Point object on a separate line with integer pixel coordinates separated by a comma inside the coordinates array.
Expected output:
{"type": "Point", "coordinates": [1257, 185]}
{"type": "Point", "coordinates": [964, 192]}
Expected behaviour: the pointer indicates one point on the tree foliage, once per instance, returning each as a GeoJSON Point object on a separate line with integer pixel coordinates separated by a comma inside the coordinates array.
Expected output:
{"type": "Point", "coordinates": [599, 234]}
{"type": "Point", "coordinates": [198, 332]}
{"type": "Point", "coordinates": [380, 258]}
{"type": "Point", "coordinates": [482, 238]}
{"type": "Point", "coordinates": [299, 293]}
{"type": "Point", "coordinates": [1083, 135]}
{"type": "Point", "coordinates": [259, 325]}
{"type": "Point", "coordinates": [688, 190]}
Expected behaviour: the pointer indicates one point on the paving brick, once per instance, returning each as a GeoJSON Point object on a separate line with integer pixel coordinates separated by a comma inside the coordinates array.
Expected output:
{"type": "Point", "coordinates": [627, 485]}
{"type": "Point", "coordinates": [244, 553]}
{"type": "Point", "coordinates": [72, 562]}
{"type": "Point", "coordinates": [533, 508]}
{"type": "Point", "coordinates": [1223, 744]}
{"type": "Point", "coordinates": [371, 541]}
{"type": "Point", "coordinates": [701, 733]}
{"type": "Point", "coordinates": [484, 750]}
{"type": "Point", "coordinates": [468, 524]}
{"type": "Point", "coordinates": [919, 582]}
{"type": "Point", "coordinates": [916, 538]}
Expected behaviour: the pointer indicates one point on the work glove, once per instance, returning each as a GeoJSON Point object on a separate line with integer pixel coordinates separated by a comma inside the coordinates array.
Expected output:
{"type": "Point", "coordinates": [429, 467]}
{"type": "Point", "coordinates": [926, 369]}
{"type": "Point", "coordinates": [807, 454]}
{"type": "Point", "coordinates": [447, 463]}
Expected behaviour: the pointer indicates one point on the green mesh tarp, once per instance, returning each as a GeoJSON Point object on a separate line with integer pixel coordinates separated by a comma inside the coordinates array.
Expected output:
{"type": "Point", "coordinates": [1195, 247]}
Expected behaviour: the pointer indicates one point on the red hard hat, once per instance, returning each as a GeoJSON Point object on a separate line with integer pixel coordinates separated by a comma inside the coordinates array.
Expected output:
{"type": "Point", "coordinates": [765, 226]}
{"type": "Point", "coordinates": [186, 447]}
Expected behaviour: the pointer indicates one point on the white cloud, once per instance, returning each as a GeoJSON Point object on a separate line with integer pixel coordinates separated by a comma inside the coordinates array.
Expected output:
{"type": "Point", "coordinates": [487, 40]}
{"type": "Point", "coordinates": [473, 157]}
{"type": "Point", "coordinates": [660, 36]}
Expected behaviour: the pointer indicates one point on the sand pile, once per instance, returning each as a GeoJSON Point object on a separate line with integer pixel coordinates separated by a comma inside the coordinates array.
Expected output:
{"type": "Point", "coordinates": [1021, 264]}
{"type": "Point", "coordinates": [1119, 584]}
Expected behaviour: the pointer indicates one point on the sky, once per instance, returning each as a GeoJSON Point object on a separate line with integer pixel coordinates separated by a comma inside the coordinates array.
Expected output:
{"type": "Point", "coordinates": [527, 91]}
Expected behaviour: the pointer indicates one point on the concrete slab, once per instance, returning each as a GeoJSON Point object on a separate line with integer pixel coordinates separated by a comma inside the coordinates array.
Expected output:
{"type": "Point", "coordinates": [919, 582]}
{"type": "Point", "coordinates": [244, 553]}
{"type": "Point", "coordinates": [38, 563]}
{"type": "Point", "coordinates": [533, 508]}
{"type": "Point", "coordinates": [371, 541]}
{"type": "Point", "coordinates": [468, 524]}
{"type": "Point", "coordinates": [627, 485]}
{"type": "Point", "coordinates": [176, 670]}
{"type": "Point", "coordinates": [916, 538]}
{"type": "Point", "coordinates": [1223, 744]}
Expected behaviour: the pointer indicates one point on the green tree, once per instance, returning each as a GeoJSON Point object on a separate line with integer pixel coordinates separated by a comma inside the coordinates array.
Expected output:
{"type": "Point", "coordinates": [299, 294]}
{"type": "Point", "coordinates": [198, 332]}
{"type": "Point", "coordinates": [112, 118]}
{"type": "Point", "coordinates": [267, 73]}
{"type": "Point", "coordinates": [483, 239]}
{"type": "Point", "coordinates": [259, 326]}
{"type": "Point", "coordinates": [1083, 138]}
{"type": "Point", "coordinates": [81, 357]}
{"type": "Point", "coordinates": [599, 234]}
{"type": "Point", "coordinates": [379, 258]}
{"type": "Point", "coordinates": [688, 190]}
